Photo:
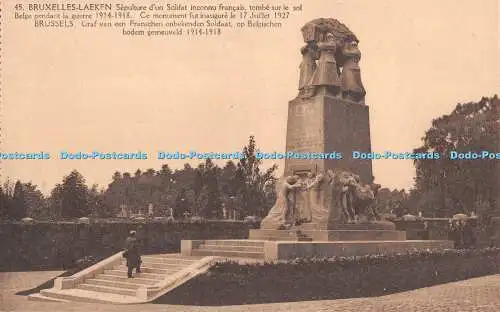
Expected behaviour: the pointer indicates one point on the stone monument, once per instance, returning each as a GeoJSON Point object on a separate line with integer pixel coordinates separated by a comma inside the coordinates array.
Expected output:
{"type": "Point", "coordinates": [328, 115]}
{"type": "Point", "coordinates": [324, 207]}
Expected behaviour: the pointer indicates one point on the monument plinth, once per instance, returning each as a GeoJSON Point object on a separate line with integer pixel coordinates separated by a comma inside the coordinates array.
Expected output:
{"type": "Point", "coordinates": [331, 125]}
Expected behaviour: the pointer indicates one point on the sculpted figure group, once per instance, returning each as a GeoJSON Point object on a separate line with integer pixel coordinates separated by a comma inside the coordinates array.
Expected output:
{"type": "Point", "coordinates": [330, 59]}
{"type": "Point", "coordinates": [337, 196]}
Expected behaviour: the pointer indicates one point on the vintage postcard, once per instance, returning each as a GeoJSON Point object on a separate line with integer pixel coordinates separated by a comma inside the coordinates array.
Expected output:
{"type": "Point", "coordinates": [224, 155]}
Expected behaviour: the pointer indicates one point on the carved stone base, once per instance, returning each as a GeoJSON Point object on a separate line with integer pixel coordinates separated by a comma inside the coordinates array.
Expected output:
{"type": "Point", "coordinates": [272, 250]}
{"type": "Point", "coordinates": [369, 225]}
{"type": "Point", "coordinates": [279, 235]}
{"type": "Point", "coordinates": [325, 235]}
{"type": "Point", "coordinates": [291, 250]}
{"type": "Point", "coordinates": [324, 201]}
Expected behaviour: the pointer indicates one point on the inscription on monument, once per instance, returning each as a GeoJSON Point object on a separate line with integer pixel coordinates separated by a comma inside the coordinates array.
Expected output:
{"type": "Point", "coordinates": [305, 132]}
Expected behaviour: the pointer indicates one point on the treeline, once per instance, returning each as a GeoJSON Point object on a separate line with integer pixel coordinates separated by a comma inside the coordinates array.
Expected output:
{"type": "Point", "coordinates": [442, 187]}
{"type": "Point", "coordinates": [445, 187]}
{"type": "Point", "coordinates": [206, 191]}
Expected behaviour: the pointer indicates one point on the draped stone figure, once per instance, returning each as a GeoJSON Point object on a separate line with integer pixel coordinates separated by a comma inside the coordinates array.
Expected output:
{"type": "Point", "coordinates": [316, 190]}
{"type": "Point", "coordinates": [282, 214]}
{"type": "Point", "coordinates": [373, 204]}
{"type": "Point", "coordinates": [348, 184]}
{"type": "Point", "coordinates": [352, 87]}
{"type": "Point", "coordinates": [307, 66]}
{"type": "Point", "coordinates": [335, 192]}
{"type": "Point", "coordinates": [326, 73]}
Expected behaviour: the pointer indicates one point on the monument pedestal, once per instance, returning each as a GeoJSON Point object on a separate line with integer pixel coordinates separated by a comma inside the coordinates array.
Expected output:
{"type": "Point", "coordinates": [327, 235]}
{"type": "Point", "coordinates": [328, 124]}
{"type": "Point", "coordinates": [377, 231]}
{"type": "Point", "coordinates": [337, 225]}
{"type": "Point", "coordinates": [279, 235]}
{"type": "Point", "coordinates": [280, 250]}
{"type": "Point", "coordinates": [271, 250]}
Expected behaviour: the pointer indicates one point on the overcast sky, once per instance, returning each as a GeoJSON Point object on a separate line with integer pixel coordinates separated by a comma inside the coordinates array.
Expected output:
{"type": "Point", "coordinates": [100, 90]}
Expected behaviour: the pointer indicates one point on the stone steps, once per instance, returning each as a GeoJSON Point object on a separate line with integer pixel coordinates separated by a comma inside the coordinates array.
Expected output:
{"type": "Point", "coordinates": [108, 289]}
{"type": "Point", "coordinates": [160, 265]}
{"type": "Point", "coordinates": [230, 248]}
{"type": "Point", "coordinates": [135, 280]}
{"type": "Point", "coordinates": [167, 260]}
{"type": "Point", "coordinates": [228, 253]}
{"type": "Point", "coordinates": [81, 295]}
{"type": "Point", "coordinates": [173, 257]}
{"type": "Point", "coordinates": [123, 272]}
{"type": "Point", "coordinates": [228, 242]}
{"type": "Point", "coordinates": [40, 297]}
{"type": "Point", "coordinates": [113, 283]}
{"type": "Point", "coordinates": [107, 281]}
{"type": "Point", "coordinates": [284, 238]}
{"type": "Point", "coordinates": [152, 270]}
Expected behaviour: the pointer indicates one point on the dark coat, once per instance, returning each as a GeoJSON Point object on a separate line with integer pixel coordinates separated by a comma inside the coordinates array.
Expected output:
{"type": "Point", "coordinates": [469, 235]}
{"type": "Point", "coordinates": [456, 235]}
{"type": "Point", "coordinates": [133, 251]}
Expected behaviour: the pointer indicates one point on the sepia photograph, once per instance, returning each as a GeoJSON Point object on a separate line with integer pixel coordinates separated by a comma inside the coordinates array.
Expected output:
{"type": "Point", "coordinates": [241, 155]}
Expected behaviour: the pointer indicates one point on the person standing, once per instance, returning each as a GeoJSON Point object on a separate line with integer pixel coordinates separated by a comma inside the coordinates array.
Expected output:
{"type": "Point", "coordinates": [454, 233]}
{"type": "Point", "coordinates": [132, 254]}
{"type": "Point", "coordinates": [426, 233]}
{"type": "Point", "coordinates": [469, 229]}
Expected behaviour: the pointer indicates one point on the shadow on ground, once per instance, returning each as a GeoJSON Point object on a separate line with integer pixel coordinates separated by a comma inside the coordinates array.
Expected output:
{"type": "Point", "coordinates": [48, 284]}
{"type": "Point", "coordinates": [79, 265]}
{"type": "Point", "coordinates": [203, 292]}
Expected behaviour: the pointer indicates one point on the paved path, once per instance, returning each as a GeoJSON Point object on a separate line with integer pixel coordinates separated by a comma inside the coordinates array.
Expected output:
{"type": "Point", "coordinates": [478, 294]}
